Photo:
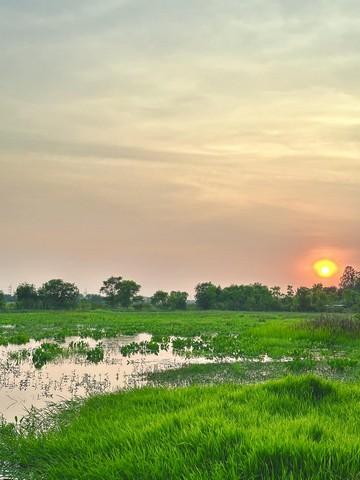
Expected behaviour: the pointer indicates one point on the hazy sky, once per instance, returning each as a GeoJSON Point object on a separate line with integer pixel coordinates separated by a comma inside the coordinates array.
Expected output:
{"type": "Point", "coordinates": [177, 141]}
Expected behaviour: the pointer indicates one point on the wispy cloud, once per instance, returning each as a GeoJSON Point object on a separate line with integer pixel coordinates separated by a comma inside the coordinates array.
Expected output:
{"type": "Point", "coordinates": [202, 130]}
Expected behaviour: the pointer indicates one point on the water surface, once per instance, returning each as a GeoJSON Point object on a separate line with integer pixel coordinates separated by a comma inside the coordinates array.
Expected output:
{"type": "Point", "coordinates": [23, 386]}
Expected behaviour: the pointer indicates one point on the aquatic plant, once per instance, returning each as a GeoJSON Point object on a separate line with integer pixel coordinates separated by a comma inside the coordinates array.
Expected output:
{"type": "Point", "coordinates": [45, 353]}
{"type": "Point", "coordinates": [96, 354]}
{"type": "Point", "coordinates": [80, 347]}
{"type": "Point", "coordinates": [19, 355]}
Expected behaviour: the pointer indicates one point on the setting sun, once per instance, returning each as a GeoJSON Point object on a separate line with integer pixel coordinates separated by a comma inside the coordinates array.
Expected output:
{"type": "Point", "coordinates": [325, 268]}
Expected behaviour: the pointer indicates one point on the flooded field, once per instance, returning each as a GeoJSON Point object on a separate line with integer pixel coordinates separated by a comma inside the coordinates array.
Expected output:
{"type": "Point", "coordinates": [48, 358]}
{"type": "Point", "coordinates": [122, 363]}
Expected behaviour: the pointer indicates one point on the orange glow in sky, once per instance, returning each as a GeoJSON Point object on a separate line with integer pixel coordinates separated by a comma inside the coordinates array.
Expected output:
{"type": "Point", "coordinates": [325, 268]}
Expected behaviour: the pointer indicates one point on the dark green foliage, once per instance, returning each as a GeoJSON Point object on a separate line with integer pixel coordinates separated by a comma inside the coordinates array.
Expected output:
{"type": "Point", "coordinates": [110, 289]}
{"type": "Point", "coordinates": [350, 279]}
{"type": "Point", "coordinates": [119, 292]}
{"type": "Point", "coordinates": [207, 295]}
{"type": "Point", "coordinates": [26, 296]}
{"type": "Point", "coordinates": [303, 300]}
{"type": "Point", "coordinates": [127, 292]}
{"type": "Point", "coordinates": [45, 353]}
{"type": "Point", "coordinates": [138, 302]}
{"type": "Point", "coordinates": [20, 355]}
{"type": "Point", "coordinates": [172, 301]}
{"type": "Point", "coordinates": [96, 354]}
{"type": "Point", "coordinates": [57, 294]}
{"type": "Point", "coordinates": [142, 347]}
{"type": "Point", "coordinates": [2, 300]}
{"type": "Point", "coordinates": [259, 297]}
{"type": "Point", "coordinates": [177, 300]}
{"type": "Point", "coordinates": [160, 299]}
{"type": "Point", "coordinates": [351, 299]}
{"type": "Point", "coordinates": [80, 347]}
{"type": "Point", "coordinates": [18, 338]}
{"type": "Point", "coordinates": [247, 297]}
{"type": "Point", "coordinates": [91, 302]}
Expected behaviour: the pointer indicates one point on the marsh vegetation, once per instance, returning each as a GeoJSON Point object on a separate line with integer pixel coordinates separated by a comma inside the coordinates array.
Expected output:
{"type": "Point", "coordinates": [302, 428]}
{"type": "Point", "coordinates": [294, 422]}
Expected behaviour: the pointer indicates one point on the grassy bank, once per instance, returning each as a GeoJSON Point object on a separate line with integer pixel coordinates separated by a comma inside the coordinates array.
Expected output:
{"type": "Point", "coordinates": [295, 428]}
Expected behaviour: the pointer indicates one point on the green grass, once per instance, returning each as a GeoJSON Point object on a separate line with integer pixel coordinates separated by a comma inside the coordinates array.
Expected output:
{"type": "Point", "coordinates": [40, 325]}
{"type": "Point", "coordinates": [249, 334]}
{"type": "Point", "coordinates": [254, 372]}
{"type": "Point", "coordinates": [295, 428]}
{"type": "Point", "coordinates": [236, 334]}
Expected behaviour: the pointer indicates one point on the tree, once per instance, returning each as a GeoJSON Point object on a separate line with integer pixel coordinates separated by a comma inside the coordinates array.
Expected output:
{"type": "Point", "coordinates": [177, 300]}
{"type": "Point", "coordinates": [259, 298]}
{"type": "Point", "coordinates": [2, 299]}
{"type": "Point", "coordinates": [139, 302]}
{"type": "Point", "coordinates": [119, 292]}
{"type": "Point", "coordinates": [319, 297]}
{"type": "Point", "coordinates": [233, 297]}
{"type": "Point", "coordinates": [58, 294]}
{"type": "Point", "coordinates": [127, 292]}
{"type": "Point", "coordinates": [303, 299]}
{"type": "Point", "coordinates": [206, 295]}
{"type": "Point", "coordinates": [26, 296]}
{"type": "Point", "coordinates": [350, 279]}
{"type": "Point", "coordinates": [159, 299]}
{"type": "Point", "coordinates": [351, 298]}
{"type": "Point", "coordinates": [91, 301]}
{"type": "Point", "coordinates": [277, 296]}
{"type": "Point", "coordinates": [110, 289]}
{"type": "Point", "coordinates": [288, 299]}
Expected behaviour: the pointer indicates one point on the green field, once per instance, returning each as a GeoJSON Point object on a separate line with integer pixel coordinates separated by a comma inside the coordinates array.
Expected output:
{"type": "Point", "coordinates": [229, 333]}
{"type": "Point", "coordinates": [248, 419]}
{"type": "Point", "coordinates": [188, 323]}
{"type": "Point", "coordinates": [300, 428]}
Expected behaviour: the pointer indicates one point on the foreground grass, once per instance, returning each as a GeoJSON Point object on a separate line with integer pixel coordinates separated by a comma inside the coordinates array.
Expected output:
{"type": "Point", "coordinates": [295, 428]}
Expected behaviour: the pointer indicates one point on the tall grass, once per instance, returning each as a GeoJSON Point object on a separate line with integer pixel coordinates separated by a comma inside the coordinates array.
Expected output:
{"type": "Point", "coordinates": [336, 323]}
{"type": "Point", "coordinates": [296, 428]}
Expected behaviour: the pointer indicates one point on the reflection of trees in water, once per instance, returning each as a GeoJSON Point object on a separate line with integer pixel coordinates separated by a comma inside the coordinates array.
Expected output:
{"type": "Point", "coordinates": [22, 385]}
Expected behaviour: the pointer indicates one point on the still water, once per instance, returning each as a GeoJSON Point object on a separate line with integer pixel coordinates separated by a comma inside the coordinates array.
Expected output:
{"type": "Point", "coordinates": [23, 386]}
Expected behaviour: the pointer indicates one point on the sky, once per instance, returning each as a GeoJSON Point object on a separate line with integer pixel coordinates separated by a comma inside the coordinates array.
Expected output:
{"type": "Point", "coordinates": [178, 141]}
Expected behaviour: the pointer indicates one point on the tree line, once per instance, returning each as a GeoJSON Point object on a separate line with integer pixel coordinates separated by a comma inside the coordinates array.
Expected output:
{"type": "Point", "coordinates": [117, 292]}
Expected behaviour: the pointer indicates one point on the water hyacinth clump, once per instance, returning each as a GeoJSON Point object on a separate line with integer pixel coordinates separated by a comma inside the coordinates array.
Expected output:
{"type": "Point", "coordinates": [96, 354]}
{"type": "Point", "coordinates": [144, 348]}
{"type": "Point", "coordinates": [46, 353]}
